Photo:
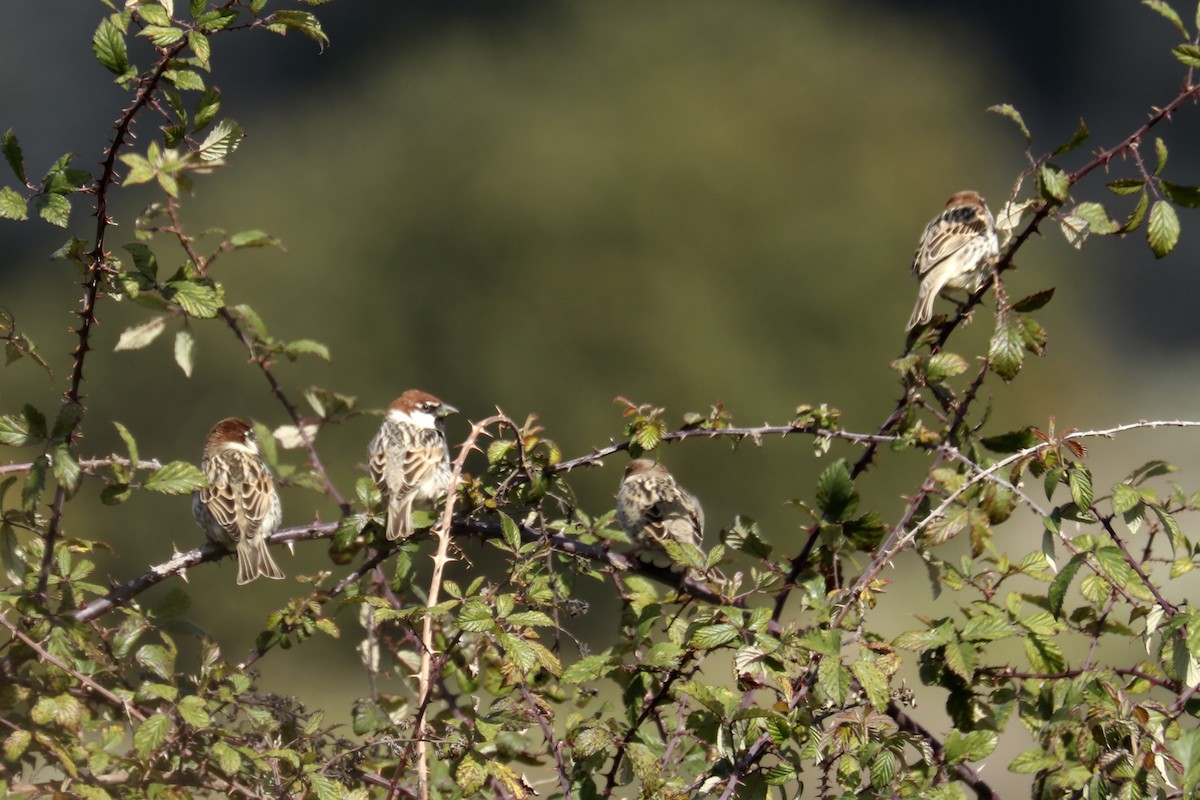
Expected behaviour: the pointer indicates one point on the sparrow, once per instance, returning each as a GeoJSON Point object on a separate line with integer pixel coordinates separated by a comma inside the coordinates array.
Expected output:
{"type": "Point", "coordinates": [239, 508]}
{"type": "Point", "coordinates": [956, 252]}
{"type": "Point", "coordinates": [652, 508]}
{"type": "Point", "coordinates": [409, 459]}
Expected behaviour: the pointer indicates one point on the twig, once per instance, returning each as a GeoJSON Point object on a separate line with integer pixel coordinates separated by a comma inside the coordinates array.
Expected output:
{"type": "Point", "coordinates": [440, 559]}
{"type": "Point", "coordinates": [130, 710]}
{"type": "Point", "coordinates": [91, 291]}
{"type": "Point", "coordinates": [900, 538]}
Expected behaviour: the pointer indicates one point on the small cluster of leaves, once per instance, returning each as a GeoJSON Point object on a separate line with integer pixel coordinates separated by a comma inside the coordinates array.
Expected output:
{"type": "Point", "coordinates": [49, 196]}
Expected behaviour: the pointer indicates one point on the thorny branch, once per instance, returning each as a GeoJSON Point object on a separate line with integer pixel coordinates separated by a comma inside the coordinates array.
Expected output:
{"type": "Point", "coordinates": [97, 267]}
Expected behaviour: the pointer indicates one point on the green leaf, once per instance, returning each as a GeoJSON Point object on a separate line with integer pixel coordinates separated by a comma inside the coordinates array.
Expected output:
{"type": "Point", "coordinates": [873, 682]}
{"type": "Point", "coordinates": [13, 155]}
{"type": "Point", "coordinates": [228, 760]}
{"type": "Point", "coordinates": [972, 746]}
{"type": "Point", "coordinates": [35, 482]}
{"type": "Point", "coordinates": [1181, 195]}
{"type": "Point", "coordinates": [54, 208]}
{"type": "Point", "coordinates": [130, 443]}
{"type": "Point", "coordinates": [206, 109]}
{"type": "Point", "coordinates": [945, 365]}
{"type": "Point", "coordinates": [151, 734]}
{"type": "Point", "coordinates": [221, 141]}
{"type": "Point", "coordinates": [253, 239]}
{"type": "Point", "coordinates": [294, 350]}
{"type": "Point", "coordinates": [836, 496]}
{"type": "Point", "coordinates": [200, 47]}
{"type": "Point", "coordinates": [1189, 54]}
{"type": "Point", "coordinates": [1160, 153]}
{"type": "Point", "coordinates": [1004, 109]}
{"type": "Point", "coordinates": [1124, 498]}
{"type": "Point", "coordinates": [153, 14]}
{"type": "Point", "coordinates": [184, 344]}
{"type": "Point", "coordinates": [708, 637]}
{"type": "Point", "coordinates": [1053, 183]}
{"type": "Point", "coordinates": [1138, 213]}
{"type": "Point", "coordinates": [987, 629]}
{"type": "Point", "coordinates": [1081, 135]}
{"type": "Point", "coordinates": [162, 36]}
{"type": "Point", "coordinates": [1080, 481]}
{"type": "Point", "coordinates": [192, 711]}
{"type": "Point", "coordinates": [1169, 14]}
{"type": "Point", "coordinates": [1033, 302]}
{"type": "Point", "coordinates": [185, 80]}
{"type": "Point", "coordinates": [199, 299]}
{"type": "Point", "coordinates": [142, 334]}
{"type": "Point", "coordinates": [16, 744]}
{"type": "Point", "coordinates": [157, 659]}
{"type": "Point", "coordinates": [303, 21]}
{"type": "Point", "coordinates": [178, 477]}
{"type": "Point", "coordinates": [1097, 219]}
{"type": "Point", "coordinates": [12, 205]}
{"type": "Point", "coordinates": [66, 468]}
{"type": "Point", "coordinates": [1035, 760]}
{"type": "Point", "coordinates": [1062, 582]}
{"type": "Point", "coordinates": [588, 669]}
{"type": "Point", "coordinates": [1006, 349]}
{"type": "Point", "coordinates": [475, 616]}
{"type": "Point", "coordinates": [1126, 186]}
{"type": "Point", "coordinates": [1163, 230]}
{"type": "Point", "coordinates": [108, 44]}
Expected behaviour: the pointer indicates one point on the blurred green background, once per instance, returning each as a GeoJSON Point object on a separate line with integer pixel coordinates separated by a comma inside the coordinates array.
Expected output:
{"type": "Point", "coordinates": [541, 206]}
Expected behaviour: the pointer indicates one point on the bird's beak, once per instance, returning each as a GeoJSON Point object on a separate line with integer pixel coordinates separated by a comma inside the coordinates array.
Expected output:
{"type": "Point", "coordinates": [446, 410]}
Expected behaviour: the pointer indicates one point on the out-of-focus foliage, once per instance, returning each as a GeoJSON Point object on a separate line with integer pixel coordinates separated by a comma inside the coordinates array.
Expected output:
{"type": "Point", "coordinates": [771, 667]}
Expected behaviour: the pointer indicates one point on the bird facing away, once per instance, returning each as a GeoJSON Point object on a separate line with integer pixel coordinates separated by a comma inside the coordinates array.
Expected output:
{"type": "Point", "coordinates": [652, 508]}
{"type": "Point", "coordinates": [956, 252]}
{"type": "Point", "coordinates": [240, 507]}
{"type": "Point", "coordinates": [409, 459]}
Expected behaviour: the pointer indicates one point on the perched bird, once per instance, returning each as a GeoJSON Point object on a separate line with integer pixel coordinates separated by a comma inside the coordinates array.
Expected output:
{"type": "Point", "coordinates": [240, 507]}
{"type": "Point", "coordinates": [652, 508]}
{"type": "Point", "coordinates": [409, 458]}
{"type": "Point", "coordinates": [955, 252]}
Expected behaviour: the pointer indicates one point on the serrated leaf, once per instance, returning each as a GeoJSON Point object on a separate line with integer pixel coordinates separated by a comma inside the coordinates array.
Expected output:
{"type": "Point", "coordinates": [1062, 582]}
{"type": "Point", "coordinates": [945, 365]}
{"type": "Point", "coordinates": [1006, 350]}
{"type": "Point", "coordinates": [1168, 13]}
{"type": "Point", "coordinates": [1189, 54]}
{"type": "Point", "coordinates": [12, 205]}
{"type": "Point", "coordinates": [1160, 153]}
{"type": "Point", "coordinates": [1074, 229]}
{"type": "Point", "coordinates": [873, 682]}
{"type": "Point", "coordinates": [1080, 481]}
{"type": "Point", "coordinates": [1181, 195]}
{"type": "Point", "coordinates": [987, 629]}
{"type": "Point", "coordinates": [184, 344]}
{"type": "Point", "coordinates": [1080, 136]}
{"type": "Point", "coordinates": [192, 711]}
{"type": "Point", "coordinates": [1163, 230]}
{"type": "Point", "coordinates": [1053, 183]}
{"type": "Point", "coordinates": [836, 496]}
{"type": "Point", "coordinates": [13, 155]}
{"type": "Point", "coordinates": [253, 239]}
{"type": "Point", "coordinates": [177, 477]}
{"type": "Point", "coordinates": [294, 350]}
{"type": "Point", "coordinates": [971, 746]}
{"type": "Point", "coordinates": [708, 637]}
{"type": "Point", "coordinates": [108, 45]}
{"type": "Point", "coordinates": [54, 208]}
{"type": "Point", "coordinates": [228, 759]}
{"type": "Point", "coordinates": [1138, 213]}
{"type": "Point", "coordinates": [198, 299]}
{"type": "Point", "coordinates": [1096, 218]}
{"type": "Point", "coordinates": [200, 47]}
{"type": "Point", "coordinates": [303, 21]}
{"type": "Point", "coordinates": [1126, 186]}
{"type": "Point", "coordinates": [1033, 302]}
{"type": "Point", "coordinates": [185, 80]}
{"type": "Point", "coordinates": [16, 744]}
{"type": "Point", "coordinates": [1004, 109]}
{"type": "Point", "coordinates": [151, 734]}
{"type": "Point", "coordinates": [206, 109]}
{"type": "Point", "coordinates": [162, 35]}
{"type": "Point", "coordinates": [66, 468]}
{"type": "Point", "coordinates": [135, 337]}
{"type": "Point", "coordinates": [221, 141]}
{"type": "Point", "coordinates": [588, 669]}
